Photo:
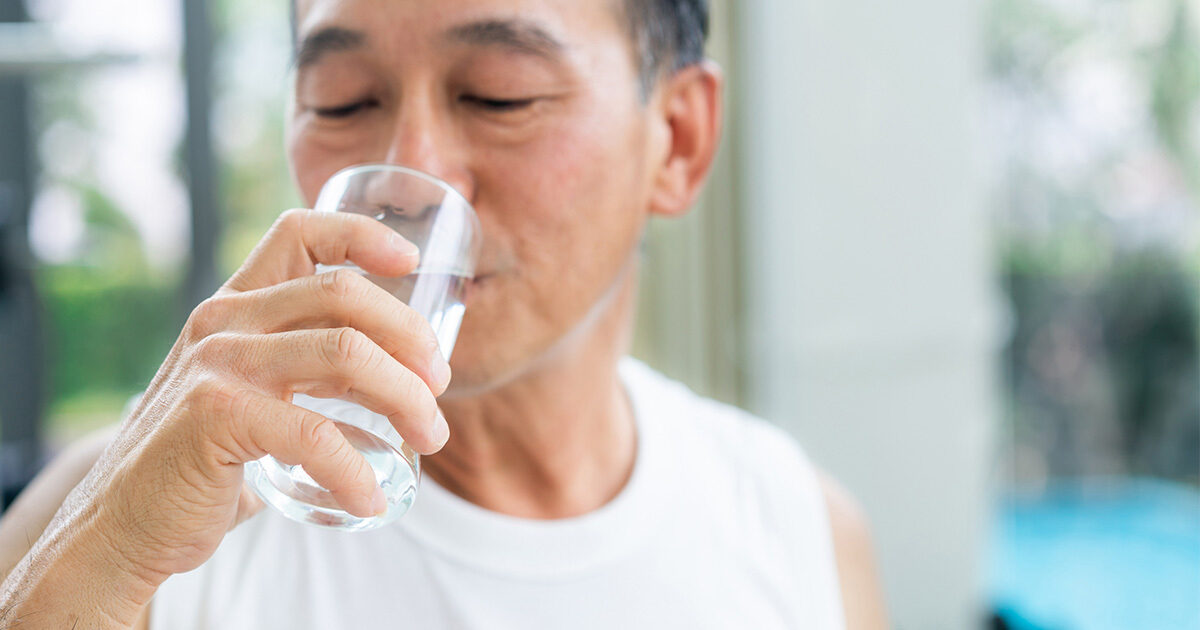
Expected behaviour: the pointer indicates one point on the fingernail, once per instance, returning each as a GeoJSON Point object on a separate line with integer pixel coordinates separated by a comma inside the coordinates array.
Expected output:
{"type": "Point", "coordinates": [403, 246]}
{"type": "Point", "coordinates": [441, 430]}
{"type": "Point", "coordinates": [440, 370]}
{"type": "Point", "coordinates": [378, 502]}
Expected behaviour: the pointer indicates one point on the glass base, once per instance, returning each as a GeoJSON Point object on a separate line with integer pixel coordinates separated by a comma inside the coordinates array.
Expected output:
{"type": "Point", "coordinates": [291, 491]}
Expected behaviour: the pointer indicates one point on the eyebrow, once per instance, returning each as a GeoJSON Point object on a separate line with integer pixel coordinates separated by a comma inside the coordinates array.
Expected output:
{"type": "Point", "coordinates": [327, 40]}
{"type": "Point", "coordinates": [517, 35]}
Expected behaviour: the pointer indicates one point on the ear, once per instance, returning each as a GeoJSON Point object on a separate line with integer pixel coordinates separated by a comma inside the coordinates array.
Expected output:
{"type": "Point", "coordinates": [691, 108]}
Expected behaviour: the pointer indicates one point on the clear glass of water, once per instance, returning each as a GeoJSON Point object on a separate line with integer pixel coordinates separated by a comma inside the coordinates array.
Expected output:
{"type": "Point", "coordinates": [432, 215]}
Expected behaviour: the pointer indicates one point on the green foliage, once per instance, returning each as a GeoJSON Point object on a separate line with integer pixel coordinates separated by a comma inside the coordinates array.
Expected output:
{"type": "Point", "coordinates": [1175, 69]}
{"type": "Point", "coordinates": [1097, 202]}
{"type": "Point", "coordinates": [257, 189]}
{"type": "Point", "coordinates": [105, 333]}
{"type": "Point", "coordinates": [1103, 367]}
{"type": "Point", "coordinates": [256, 184]}
{"type": "Point", "coordinates": [113, 243]}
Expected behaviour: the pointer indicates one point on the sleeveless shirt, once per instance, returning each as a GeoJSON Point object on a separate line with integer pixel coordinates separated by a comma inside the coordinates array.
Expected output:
{"type": "Point", "coordinates": [722, 524]}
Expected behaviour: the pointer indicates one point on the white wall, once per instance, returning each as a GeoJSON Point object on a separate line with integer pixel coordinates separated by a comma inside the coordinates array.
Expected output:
{"type": "Point", "coordinates": [692, 302]}
{"type": "Point", "coordinates": [871, 314]}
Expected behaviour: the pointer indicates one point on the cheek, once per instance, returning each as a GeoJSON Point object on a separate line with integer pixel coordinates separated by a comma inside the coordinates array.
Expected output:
{"type": "Point", "coordinates": [315, 156]}
{"type": "Point", "coordinates": [306, 164]}
{"type": "Point", "coordinates": [577, 174]}
{"type": "Point", "coordinates": [573, 204]}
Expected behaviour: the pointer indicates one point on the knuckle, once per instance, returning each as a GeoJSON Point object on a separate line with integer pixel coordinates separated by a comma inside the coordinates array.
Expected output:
{"type": "Point", "coordinates": [341, 284]}
{"type": "Point", "coordinates": [352, 345]}
{"type": "Point", "coordinates": [208, 317]}
{"type": "Point", "coordinates": [216, 414]}
{"type": "Point", "coordinates": [292, 220]}
{"type": "Point", "coordinates": [212, 398]}
{"type": "Point", "coordinates": [355, 468]}
{"type": "Point", "coordinates": [287, 225]}
{"type": "Point", "coordinates": [236, 409]}
{"type": "Point", "coordinates": [322, 437]}
{"type": "Point", "coordinates": [214, 349]}
{"type": "Point", "coordinates": [346, 348]}
{"type": "Point", "coordinates": [241, 403]}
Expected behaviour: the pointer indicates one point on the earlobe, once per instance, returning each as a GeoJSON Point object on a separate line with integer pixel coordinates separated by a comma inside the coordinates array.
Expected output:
{"type": "Point", "coordinates": [691, 106]}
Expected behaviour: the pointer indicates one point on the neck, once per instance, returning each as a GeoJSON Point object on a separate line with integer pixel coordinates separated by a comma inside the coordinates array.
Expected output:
{"type": "Point", "coordinates": [559, 440]}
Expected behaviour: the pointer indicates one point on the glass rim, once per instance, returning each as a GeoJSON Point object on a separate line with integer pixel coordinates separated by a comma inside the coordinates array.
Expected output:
{"type": "Point", "coordinates": [354, 169]}
{"type": "Point", "coordinates": [453, 201]}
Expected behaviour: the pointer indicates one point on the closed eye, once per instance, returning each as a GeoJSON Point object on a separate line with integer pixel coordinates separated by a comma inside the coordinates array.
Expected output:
{"type": "Point", "coordinates": [343, 111]}
{"type": "Point", "coordinates": [497, 104]}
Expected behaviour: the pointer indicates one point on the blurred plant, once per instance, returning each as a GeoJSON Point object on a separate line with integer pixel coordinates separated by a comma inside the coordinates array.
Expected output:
{"type": "Point", "coordinates": [107, 334]}
{"type": "Point", "coordinates": [1175, 81]}
{"type": "Point", "coordinates": [1103, 370]}
{"type": "Point", "coordinates": [109, 309]}
{"type": "Point", "coordinates": [111, 295]}
{"type": "Point", "coordinates": [253, 41]}
{"type": "Point", "coordinates": [1098, 105]}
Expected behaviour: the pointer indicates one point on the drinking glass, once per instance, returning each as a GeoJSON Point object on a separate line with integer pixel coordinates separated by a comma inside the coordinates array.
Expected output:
{"type": "Point", "coordinates": [436, 218]}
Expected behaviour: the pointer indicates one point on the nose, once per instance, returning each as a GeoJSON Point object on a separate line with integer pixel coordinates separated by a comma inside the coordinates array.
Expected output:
{"type": "Point", "coordinates": [424, 139]}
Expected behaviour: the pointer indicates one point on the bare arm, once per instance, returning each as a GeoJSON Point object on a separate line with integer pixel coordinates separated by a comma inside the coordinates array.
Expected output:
{"type": "Point", "coordinates": [26, 519]}
{"type": "Point", "coordinates": [862, 596]}
{"type": "Point", "coordinates": [169, 486]}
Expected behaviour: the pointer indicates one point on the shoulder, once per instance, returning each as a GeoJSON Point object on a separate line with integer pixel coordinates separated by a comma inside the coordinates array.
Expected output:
{"type": "Point", "coordinates": [847, 519]}
{"type": "Point", "coordinates": [789, 492]}
{"type": "Point", "coordinates": [747, 466]}
{"type": "Point", "coordinates": [862, 595]}
{"type": "Point", "coordinates": [751, 447]}
{"type": "Point", "coordinates": [686, 415]}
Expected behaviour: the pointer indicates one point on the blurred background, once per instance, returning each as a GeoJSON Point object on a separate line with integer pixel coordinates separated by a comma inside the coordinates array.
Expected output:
{"type": "Point", "coordinates": [953, 246]}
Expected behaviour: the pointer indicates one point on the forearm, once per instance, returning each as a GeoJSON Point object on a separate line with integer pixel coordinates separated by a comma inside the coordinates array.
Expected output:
{"type": "Point", "coordinates": [74, 576]}
{"type": "Point", "coordinates": [26, 519]}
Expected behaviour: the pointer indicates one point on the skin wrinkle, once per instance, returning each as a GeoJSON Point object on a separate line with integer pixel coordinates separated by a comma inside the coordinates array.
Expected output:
{"type": "Point", "coordinates": [325, 41]}
{"type": "Point", "coordinates": [514, 34]}
{"type": "Point", "coordinates": [660, 46]}
{"type": "Point", "coordinates": [544, 429]}
{"type": "Point", "coordinates": [564, 261]}
{"type": "Point", "coordinates": [56, 540]}
{"type": "Point", "coordinates": [563, 199]}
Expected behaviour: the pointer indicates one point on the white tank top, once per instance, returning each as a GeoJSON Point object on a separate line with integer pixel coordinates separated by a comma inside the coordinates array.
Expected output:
{"type": "Point", "coordinates": [722, 525]}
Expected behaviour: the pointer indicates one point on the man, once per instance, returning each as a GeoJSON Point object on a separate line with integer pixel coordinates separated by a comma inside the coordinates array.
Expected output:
{"type": "Point", "coordinates": [579, 489]}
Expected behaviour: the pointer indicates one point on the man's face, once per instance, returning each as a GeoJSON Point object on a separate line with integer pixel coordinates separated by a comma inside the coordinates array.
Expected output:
{"type": "Point", "coordinates": [530, 108]}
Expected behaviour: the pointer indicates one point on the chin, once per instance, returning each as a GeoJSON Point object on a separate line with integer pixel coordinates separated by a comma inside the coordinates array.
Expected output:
{"type": "Point", "coordinates": [500, 342]}
{"type": "Point", "coordinates": [469, 382]}
{"type": "Point", "coordinates": [485, 360]}
{"type": "Point", "coordinates": [481, 365]}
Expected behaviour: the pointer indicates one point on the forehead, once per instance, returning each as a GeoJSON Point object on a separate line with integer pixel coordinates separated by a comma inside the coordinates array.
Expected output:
{"type": "Point", "coordinates": [568, 22]}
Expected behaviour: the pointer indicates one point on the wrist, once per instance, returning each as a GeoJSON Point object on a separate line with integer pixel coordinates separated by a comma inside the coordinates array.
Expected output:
{"type": "Point", "coordinates": [77, 573]}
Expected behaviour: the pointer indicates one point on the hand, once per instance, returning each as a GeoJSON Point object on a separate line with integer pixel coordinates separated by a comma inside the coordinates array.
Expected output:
{"type": "Point", "coordinates": [170, 485]}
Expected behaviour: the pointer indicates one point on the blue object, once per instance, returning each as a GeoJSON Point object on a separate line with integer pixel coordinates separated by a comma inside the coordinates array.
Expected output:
{"type": "Point", "coordinates": [1110, 554]}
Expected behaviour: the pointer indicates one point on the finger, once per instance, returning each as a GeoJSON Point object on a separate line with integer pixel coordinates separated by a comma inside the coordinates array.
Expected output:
{"type": "Point", "coordinates": [248, 505]}
{"type": "Point", "coordinates": [297, 436]}
{"type": "Point", "coordinates": [343, 362]}
{"type": "Point", "coordinates": [300, 239]}
{"type": "Point", "coordinates": [338, 300]}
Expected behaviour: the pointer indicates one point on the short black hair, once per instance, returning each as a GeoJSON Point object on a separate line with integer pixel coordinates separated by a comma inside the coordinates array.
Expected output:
{"type": "Point", "coordinates": [667, 35]}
